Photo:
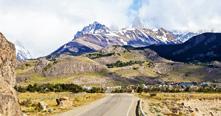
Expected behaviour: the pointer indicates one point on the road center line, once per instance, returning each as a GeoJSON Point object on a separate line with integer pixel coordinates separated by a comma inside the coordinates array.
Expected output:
{"type": "Point", "coordinates": [132, 100]}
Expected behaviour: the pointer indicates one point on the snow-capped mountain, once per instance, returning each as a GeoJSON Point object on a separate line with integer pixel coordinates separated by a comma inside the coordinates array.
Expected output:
{"type": "Point", "coordinates": [97, 36]}
{"type": "Point", "coordinates": [183, 36]}
{"type": "Point", "coordinates": [95, 28]}
{"type": "Point", "coordinates": [21, 52]}
{"type": "Point", "coordinates": [204, 47]}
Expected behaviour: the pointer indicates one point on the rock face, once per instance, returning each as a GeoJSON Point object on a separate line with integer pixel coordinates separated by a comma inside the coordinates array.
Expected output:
{"type": "Point", "coordinates": [71, 65]}
{"type": "Point", "coordinates": [8, 100]}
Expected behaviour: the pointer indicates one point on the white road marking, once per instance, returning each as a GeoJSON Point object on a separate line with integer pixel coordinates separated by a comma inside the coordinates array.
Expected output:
{"type": "Point", "coordinates": [130, 107]}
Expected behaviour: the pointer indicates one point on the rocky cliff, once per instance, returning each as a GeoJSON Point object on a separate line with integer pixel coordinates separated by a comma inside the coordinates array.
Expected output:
{"type": "Point", "coordinates": [8, 99]}
{"type": "Point", "coordinates": [69, 66]}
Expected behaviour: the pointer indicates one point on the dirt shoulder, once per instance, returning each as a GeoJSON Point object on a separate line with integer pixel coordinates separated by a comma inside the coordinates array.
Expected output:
{"type": "Point", "coordinates": [182, 104]}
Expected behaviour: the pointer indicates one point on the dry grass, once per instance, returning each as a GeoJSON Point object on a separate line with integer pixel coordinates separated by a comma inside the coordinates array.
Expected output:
{"type": "Point", "coordinates": [182, 104]}
{"type": "Point", "coordinates": [134, 70]}
{"type": "Point", "coordinates": [177, 72]}
{"type": "Point", "coordinates": [50, 99]}
{"type": "Point", "coordinates": [37, 78]}
{"type": "Point", "coordinates": [88, 77]}
{"type": "Point", "coordinates": [132, 56]}
{"type": "Point", "coordinates": [182, 96]}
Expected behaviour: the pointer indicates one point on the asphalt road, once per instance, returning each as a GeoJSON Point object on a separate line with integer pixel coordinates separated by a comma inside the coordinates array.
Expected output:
{"type": "Point", "coordinates": [112, 105]}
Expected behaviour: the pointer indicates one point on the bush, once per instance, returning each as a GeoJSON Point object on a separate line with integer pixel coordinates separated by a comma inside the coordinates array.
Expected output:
{"type": "Point", "coordinates": [140, 89]}
{"type": "Point", "coordinates": [122, 64]}
{"type": "Point", "coordinates": [153, 94]}
{"type": "Point", "coordinates": [20, 89]}
{"type": "Point", "coordinates": [50, 88]}
{"type": "Point", "coordinates": [26, 103]}
{"type": "Point", "coordinates": [95, 90]}
{"type": "Point", "coordinates": [27, 65]}
{"type": "Point", "coordinates": [99, 55]}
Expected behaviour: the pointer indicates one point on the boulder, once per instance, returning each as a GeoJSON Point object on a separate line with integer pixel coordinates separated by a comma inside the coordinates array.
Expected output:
{"type": "Point", "coordinates": [9, 105]}
{"type": "Point", "coordinates": [42, 106]}
{"type": "Point", "coordinates": [50, 110]}
{"type": "Point", "coordinates": [64, 102]}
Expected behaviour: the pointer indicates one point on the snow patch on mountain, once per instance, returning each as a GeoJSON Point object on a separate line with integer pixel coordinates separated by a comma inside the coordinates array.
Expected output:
{"type": "Point", "coordinates": [96, 36]}
{"type": "Point", "coordinates": [95, 28]}
{"type": "Point", "coordinates": [184, 36]}
{"type": "Point", "coordinates": [21, 52]}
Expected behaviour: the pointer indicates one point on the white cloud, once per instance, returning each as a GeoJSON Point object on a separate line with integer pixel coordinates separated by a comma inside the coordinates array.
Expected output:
{"type": "Point", "coordinates": [44, 25]}
{"type": "Point", "coordinates": [187, 15]}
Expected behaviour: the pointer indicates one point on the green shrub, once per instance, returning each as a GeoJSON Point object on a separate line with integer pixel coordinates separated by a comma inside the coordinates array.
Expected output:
{"type": "Point", "coordinates": [99, 55]}
{"type": "Point", "coordinates": [122, 64]}
{"type": "Point", "coordinates": [42, 88]}
{"type": "Point", "coordinates": [95, 90]}
{"type": "Point", "coordinates": [153, 94]}
{"type": "Point", "coordinates": [20, 89]}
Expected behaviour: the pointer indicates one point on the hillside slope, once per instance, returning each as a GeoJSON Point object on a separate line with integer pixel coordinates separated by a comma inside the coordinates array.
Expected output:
{"type": "Point", "coordinates": [205, 47]}
{"type": "Point", "coordinates": [114, 65]}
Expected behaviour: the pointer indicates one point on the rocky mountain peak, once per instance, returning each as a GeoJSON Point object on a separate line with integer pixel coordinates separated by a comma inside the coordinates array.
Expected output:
{"type": "Point", "coordinates": [94, 28]}
{"type": "Point", "coordinates": [96, 36]}
{"type": "Point", "coordinates": [21, 52]}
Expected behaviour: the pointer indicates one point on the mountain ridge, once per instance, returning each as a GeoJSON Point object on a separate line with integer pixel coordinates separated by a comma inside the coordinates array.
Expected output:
{"type": "Point", "coordinates": [204, 48]}
{"type": "Point", "coordinates": [21, 52]}
{"type": "Point", "coordinates": [96, 36]}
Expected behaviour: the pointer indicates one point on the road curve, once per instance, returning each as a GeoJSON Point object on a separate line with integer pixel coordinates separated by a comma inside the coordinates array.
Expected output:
{"type": "Point", "coordinates": [112, 105]}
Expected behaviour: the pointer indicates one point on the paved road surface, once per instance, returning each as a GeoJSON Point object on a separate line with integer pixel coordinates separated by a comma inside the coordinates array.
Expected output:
{"type": "Point", "coordinates": [112, 105]}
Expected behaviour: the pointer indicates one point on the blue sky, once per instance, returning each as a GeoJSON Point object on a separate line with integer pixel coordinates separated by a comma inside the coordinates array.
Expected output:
{"type": "Point", "coordinates": [136, 5]}
{"type": "Point", "coordinates": [44, 25]}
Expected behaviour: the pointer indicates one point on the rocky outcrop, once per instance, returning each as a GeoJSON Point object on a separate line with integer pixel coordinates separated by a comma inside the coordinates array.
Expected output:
{"type": "Point", "coordinates": [71, 65]}
{"type": "Point", "coordinates": [8, 100]}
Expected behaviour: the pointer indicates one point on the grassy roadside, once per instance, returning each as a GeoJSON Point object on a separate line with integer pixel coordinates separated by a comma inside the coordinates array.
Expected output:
{"type": "Point", "coordinates": [181, 104]}
{"type": "Point", "coordinates": [29, 101]}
